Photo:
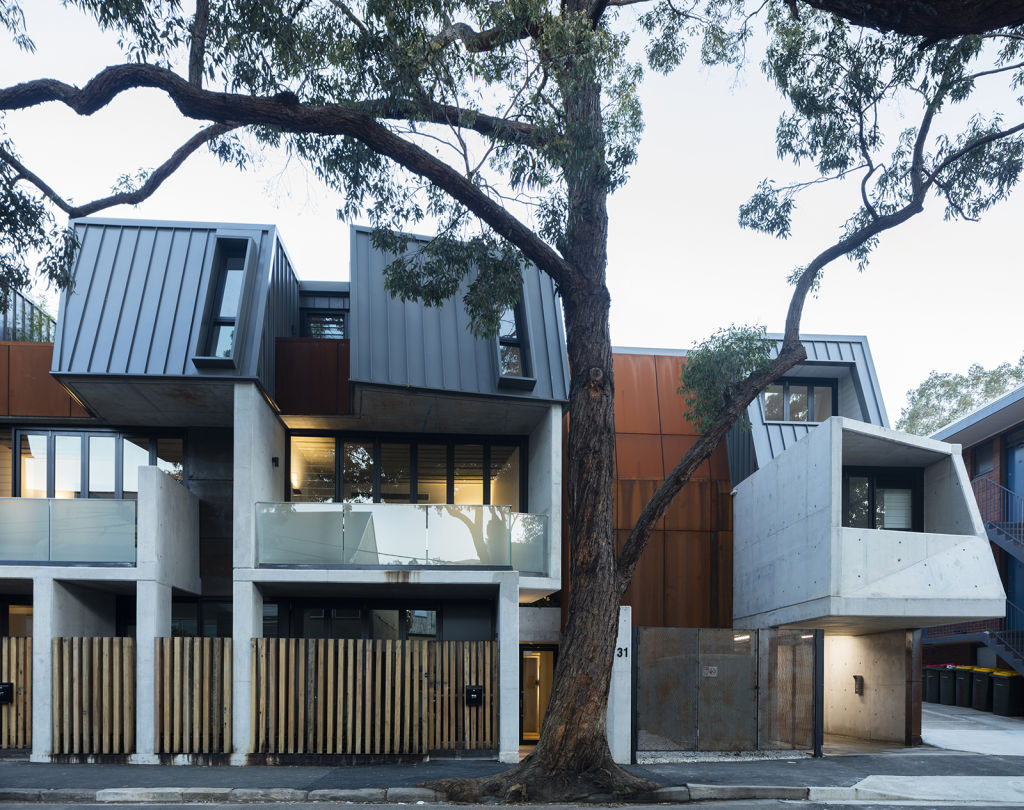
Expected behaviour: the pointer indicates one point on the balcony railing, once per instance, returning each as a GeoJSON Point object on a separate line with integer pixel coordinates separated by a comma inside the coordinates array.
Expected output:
{"type": "Point", "coordinates": [58, 530]}
{"type": "Point", "coordinates": [387, 535]}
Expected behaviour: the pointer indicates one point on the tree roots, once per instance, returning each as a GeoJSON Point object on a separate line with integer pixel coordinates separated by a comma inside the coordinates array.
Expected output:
{"type": "Point", "coordinates": [530, 781]}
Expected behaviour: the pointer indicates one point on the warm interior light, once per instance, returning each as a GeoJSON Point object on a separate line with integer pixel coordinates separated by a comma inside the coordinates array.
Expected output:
{"type": "Point", "coordinates": [744, 637]}
{"type": "Point", "coordinates": [807, 635]}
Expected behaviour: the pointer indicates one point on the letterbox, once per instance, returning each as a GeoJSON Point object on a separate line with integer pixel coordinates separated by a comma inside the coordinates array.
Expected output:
{"type": "Point", "coordinates": [474, 695]}
{"type": "Point", "coordinates": [6, 692]}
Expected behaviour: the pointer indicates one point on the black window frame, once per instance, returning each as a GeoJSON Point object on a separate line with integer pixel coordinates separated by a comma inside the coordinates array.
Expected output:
{"type": "Point", "coordinates": [414, 440]}
{"type": "Point", "coordinates": [527, 380]}
{"type": "Point", "coordinates": [810, 382]}
{"type": "Point", "coordinates": [85, 434]}
{"type": "Point", "coordinates": [227, 246]}
{"type": "Point", "coordinates": [309, 314]}
{"type": "Point", "coordinates": [911, 478]}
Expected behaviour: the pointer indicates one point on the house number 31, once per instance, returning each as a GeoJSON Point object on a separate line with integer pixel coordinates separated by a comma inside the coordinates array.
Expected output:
{"type": "Point", "coordinates": [622, 652]}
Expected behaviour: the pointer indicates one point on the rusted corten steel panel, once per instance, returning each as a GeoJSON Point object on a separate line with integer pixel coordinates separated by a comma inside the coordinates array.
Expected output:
{"type": "Point", "coordinates": [636, 399]}
{"type": "Point", "coordinates": [670, 401]}
{"type": "Point", "coordinates": [26, 387]}
{"type": "Point", "coordinates": [312, 376]}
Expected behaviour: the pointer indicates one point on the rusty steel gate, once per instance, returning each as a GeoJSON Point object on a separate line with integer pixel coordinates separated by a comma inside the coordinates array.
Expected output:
{"type": "Point", "coordinates": [722, 690]}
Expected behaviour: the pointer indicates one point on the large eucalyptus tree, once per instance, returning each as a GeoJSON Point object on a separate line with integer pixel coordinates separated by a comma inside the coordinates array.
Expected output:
{"type": "Point", "coordinates": [507, 124]}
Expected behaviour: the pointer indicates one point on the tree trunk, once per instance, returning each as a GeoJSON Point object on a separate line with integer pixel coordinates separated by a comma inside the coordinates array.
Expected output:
{"type": "Point", "coordinates": [937, 19]}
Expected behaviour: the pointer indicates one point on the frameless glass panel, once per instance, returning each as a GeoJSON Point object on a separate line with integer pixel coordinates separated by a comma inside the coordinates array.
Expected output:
{"type": "Point", "coordinates": [893, 508]}
{"type": "Point", "coordinates": [469, 474]}
{"type": "Point", "coordinates": [773, 403]}
{"type": "Point", "coordinates": [26, 530]}
{"type": "Point", "coordinates": [136, 454]}
{"type": "Point", "coordinates": [822, 402]}
{"type": "Point", "coordinates": [6, 465]}
{"type": "Point", "coordinates": [92, 531]}
{"type": "Point", "coordinates": [67, 457]}
{"type": "Point", "coordinates": [505, 476]}
{"type": "Point", "coordinates": [378, 534]}
{"type": "Point", "coordinates": [511, 359]}
{"type": "Point", "coordinates": [33, 465]}
{"type": "Point", "coordinates": [357, 472]}
{"type": "Point", "coordinates": [101, 466]}
{"type": "Point", "coordinates": [222, 340]}
{"type": "Point", "coordinates": [529, 543]}
{"type": "Point", "coordinates": [232, 294]}
{"type": "Point", "coordinates": [346, 623]}
{"type": "Point", "coordinates": [312, 469]}
{"type": "Point", "coordinates": [395, 473]}
{"type": "Point", "coordinates": [169, 456]}
{"type": "Point", "coordinates": [420, 624]}
{"type": "Point", "coordinates": [298, 534]}
{"type": "Point", "coordinates": [432, 473]}
{"type": "Point", "coordinates": [468, 535]}
{"type": "Point", "coordinates": [858, 502]}
{"type": "Point", "coordinates": [798, 403]}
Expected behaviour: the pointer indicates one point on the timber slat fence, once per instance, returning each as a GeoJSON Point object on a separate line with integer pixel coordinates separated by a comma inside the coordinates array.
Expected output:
{"type": "Point", "coordinates": [93, 695]}
{"type": "Point", "coordinates": [192, 700]}
{"type": "Point", "coordinates": [16, 717]}
{"type": "Point", "coordinates": [378, 696]}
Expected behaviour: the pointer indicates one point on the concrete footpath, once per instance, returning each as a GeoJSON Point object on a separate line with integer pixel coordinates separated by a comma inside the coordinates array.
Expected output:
{"type": "Point", "coordinates": [922, 774]}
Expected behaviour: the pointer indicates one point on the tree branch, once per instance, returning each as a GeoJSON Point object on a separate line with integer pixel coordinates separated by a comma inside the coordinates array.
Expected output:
{"type": "Point", "coordinates": [197, 48]}
{"type": "Point", "coordinates": [941, 19]}
{"type": "Point", "coordinates": [153, 182]}
{"type": "Point", "coordinates": [959, 153]}
{"type": "Point", "coordinates": [334, 119]}
{"type": "Point", "coordinates": [479, 41]}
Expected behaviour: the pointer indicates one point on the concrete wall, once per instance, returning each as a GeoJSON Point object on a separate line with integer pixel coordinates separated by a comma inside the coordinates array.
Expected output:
{"type": "Point", "coordinates": [168, 531]}
{"type": "Point", "coordinates": [620, 695]}
{"type": "Point", "coordinates": [783, 513]}
{"type": "Point", "coordinates": [947, 507]}
{"type": "Point", "coordinates": [540, 625]}
{"type": "Point", "coordinates": [544, 497]}
{"type": "Point", "coordinates": [881, 712]}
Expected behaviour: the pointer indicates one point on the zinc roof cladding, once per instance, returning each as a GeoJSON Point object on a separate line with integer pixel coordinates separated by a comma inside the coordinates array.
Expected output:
{"type": "Point", "coordinates": [408, 344]}
{"type": "Point", "coordinates": [140, 293]}
{"type": "Point", "coordinates": [852, 351]}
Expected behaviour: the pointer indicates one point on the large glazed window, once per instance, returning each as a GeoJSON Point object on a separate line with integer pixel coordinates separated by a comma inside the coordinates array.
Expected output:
{"type": "Point", "coordinates": [793, 400]}
{"type": "Point", "coordinates": [88, 464]}
{"type": "Point", "coordinates": [883, 498]}
{"type": "Point", "coordinates": [406, 469]}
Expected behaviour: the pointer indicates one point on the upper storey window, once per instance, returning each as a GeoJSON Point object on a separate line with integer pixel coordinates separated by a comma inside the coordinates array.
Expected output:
{"type": "Point", "coordinates": [224, 310]}
{"type": "Point", "coordinates": [883, 498]}
{"type": "Point", "coordinates": [515, 369]}
{"type": "Point", "coordinates": [323, 324]}
{"type": "Point", "coordinates": [796, 400]}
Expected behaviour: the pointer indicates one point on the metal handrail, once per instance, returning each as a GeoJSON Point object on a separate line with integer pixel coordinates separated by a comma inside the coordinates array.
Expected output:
{"type": "Point", "coordinates": [1013, 635]}
{"type": "Point", "coordinates": [1001, 508]}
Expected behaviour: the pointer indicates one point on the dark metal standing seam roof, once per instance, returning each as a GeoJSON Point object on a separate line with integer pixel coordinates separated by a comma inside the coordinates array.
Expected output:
{"type": "Point", "coordinates": [140, 293]}
{"type": "Point", "coordinates": [405, 343]}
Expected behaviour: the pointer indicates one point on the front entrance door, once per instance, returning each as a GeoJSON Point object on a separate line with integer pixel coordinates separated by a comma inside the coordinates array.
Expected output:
{"type": "Point", "coordinates": [536, 675]}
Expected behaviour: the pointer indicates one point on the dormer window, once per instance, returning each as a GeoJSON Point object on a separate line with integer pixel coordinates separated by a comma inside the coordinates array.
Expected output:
{"type": "Point", "coordinates": [799, 400]}
{"type": "Point", "coordinates": [514, 364]}
{"type": "Point", "coordinates": [224, 309]}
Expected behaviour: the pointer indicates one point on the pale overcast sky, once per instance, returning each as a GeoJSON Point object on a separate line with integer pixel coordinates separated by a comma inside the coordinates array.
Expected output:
{"type": "Point", "coordinates": [680, 267]}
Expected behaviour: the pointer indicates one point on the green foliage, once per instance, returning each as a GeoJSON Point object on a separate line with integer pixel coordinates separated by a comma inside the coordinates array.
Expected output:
{"type": "Point", "coordinates": [29, 233]}
{"type": "Point", "coordinates": [846, 87]}
{"type": "Point", "coordinates": [944, 398]}
{"type": "Point", "coordinates": [717, 364]}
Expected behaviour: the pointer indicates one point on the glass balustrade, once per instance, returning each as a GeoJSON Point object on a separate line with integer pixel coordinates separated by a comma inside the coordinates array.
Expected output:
{"type": "Point", "coordinates": [386, 535]}
{"type": "Point", "coordinates": [74, 530]}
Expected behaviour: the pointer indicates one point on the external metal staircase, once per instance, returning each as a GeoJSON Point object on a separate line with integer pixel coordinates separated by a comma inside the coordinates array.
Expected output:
{"type": "Point", "coordinates": [1002, 511]}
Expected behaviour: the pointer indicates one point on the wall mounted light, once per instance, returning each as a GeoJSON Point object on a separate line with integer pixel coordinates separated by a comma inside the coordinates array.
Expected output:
{"type": "Point", "coordinates": [275, 462]}
{"type": "Point", "coordinates": [858, 684]}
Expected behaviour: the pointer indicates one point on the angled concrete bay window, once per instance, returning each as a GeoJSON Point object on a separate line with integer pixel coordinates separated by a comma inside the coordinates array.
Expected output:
{"type": "Point", "coordinates": [883, 498]}
{"type": "Point", "coordinates": [226, 303]}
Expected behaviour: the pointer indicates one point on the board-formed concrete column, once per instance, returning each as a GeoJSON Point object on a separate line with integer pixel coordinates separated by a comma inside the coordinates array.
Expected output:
{"type": "Point", "coordinates": [508, 667]}
{"type": "Point", "coordinates": [620, 696]}
{"type": "Point", "coordinates": [247, 624]}
{"type": "Point", "coordinates": [152, 620]}
{"type": "Point", "coordinates": [42, 669]}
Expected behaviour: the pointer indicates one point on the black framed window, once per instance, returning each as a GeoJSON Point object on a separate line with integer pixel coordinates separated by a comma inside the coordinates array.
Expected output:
{"type": "Point", "coordinates": [515, 366]}
{"type": "Point", "coordinates": [407, 469]}
{"type": "Point", "coordinates": [88, 464]}
{"type": "Point", "coordinates": [325, 324]}
{"type": "Point", "coordinates": [883, 498]}
{"type": "Point", "coordinates": [800, 400]}
{"type": "Point", "coordinates": [984, 459]}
